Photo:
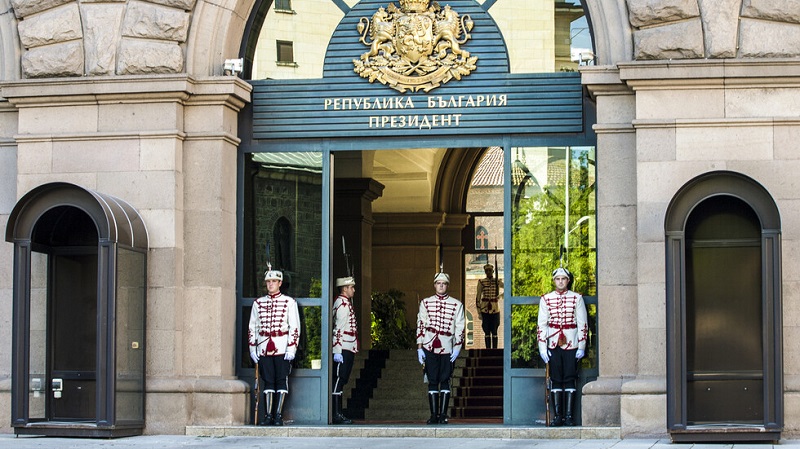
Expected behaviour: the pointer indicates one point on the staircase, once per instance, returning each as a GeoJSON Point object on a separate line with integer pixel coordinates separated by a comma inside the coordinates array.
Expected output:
{"type": "Point", "coordinates": [401, 395]}
{"type": "Point", "coordinates": [388, 387]}
{"type": "Point", "coordinates": [367, 368]}
{"type": "Point", "coordinates": [478, 385]}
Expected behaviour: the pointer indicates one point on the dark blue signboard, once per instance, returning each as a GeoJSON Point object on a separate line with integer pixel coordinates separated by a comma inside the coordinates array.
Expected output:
{"type": "Point", "coordinates": [385, 77]}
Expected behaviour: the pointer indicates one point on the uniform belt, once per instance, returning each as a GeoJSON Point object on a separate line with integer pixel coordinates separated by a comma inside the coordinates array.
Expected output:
{"type": "Point", "coordinates": [352, 334]}
{"type": "Point", "coordinates": [435, 331]}
{"type": "Point", "coordinates": [273, 333]}
{"type": "Point", "coordinates": [564, 326]}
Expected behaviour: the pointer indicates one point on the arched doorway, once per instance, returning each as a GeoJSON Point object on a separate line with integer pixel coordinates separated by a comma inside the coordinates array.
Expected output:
{"type": "Point", "coordinates": [724, 355]}
{"type": "Point", "coordinates": [80, 271]}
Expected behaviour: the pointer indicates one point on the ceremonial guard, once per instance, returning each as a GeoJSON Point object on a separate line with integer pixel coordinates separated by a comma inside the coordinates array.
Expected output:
{"type": "Point", "coordinates": [273, 335]}
{"type": "Point", "coordinates": [562, 333]}
{"type": "Point", "coordinates": [487, 300]}
{"type": "Point", "coordinates": [344, 343]}
{"type": "Point", "coordinates": [440, 337]}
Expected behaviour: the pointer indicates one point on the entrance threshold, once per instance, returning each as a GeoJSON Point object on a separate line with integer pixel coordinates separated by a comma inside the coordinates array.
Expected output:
{"type": "Point", "coordinates": [71, 429]}
{"type": "Point", "coordinates": [491, 431]}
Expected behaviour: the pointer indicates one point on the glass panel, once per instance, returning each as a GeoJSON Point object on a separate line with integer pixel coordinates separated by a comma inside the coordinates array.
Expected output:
{"type": "Point", "coordinates": [589, 361]}
{"type": "Point", "coordinates": [486, 190]}
{"type": "Point", "coordinates": [130, 329]}
{"type": "Point", "coordinates": [283, 216]}
{"type": "Point", "coordinates": [489, 231]}
{"type": "Point", "coordinates": [309, 354]}
{"type": "Point", "coordinates": [476, 332]}
{"type": "Point", "coordinates": [553, 218]}
{"type": "Point", "coordinates": [244, 357]}
{"type": "Point", "coordinates": [38, 338]}
{"type": "Point", "coordinates": [524, 347]}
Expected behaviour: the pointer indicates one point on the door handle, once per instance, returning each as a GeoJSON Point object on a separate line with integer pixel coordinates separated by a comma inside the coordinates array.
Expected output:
{"type": "Point", "coordinates": [58, 387]}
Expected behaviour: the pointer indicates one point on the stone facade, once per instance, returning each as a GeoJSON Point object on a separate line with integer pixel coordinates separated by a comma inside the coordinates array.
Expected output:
{"type": "Point", "coordinates": [62, 38]}
{"type": "Point", "coordinates": [125, 97]}
{"type": "Point", "coordinates": [690, 29]}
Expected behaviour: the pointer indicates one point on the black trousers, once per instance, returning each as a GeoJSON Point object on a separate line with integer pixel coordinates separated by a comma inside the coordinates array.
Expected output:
{"type": "Point", "coordinates": [489, 323]}
{"type": "Point", "coordinates": [275, 372]}
{"type": "Point", "coordinates": [341, 372]}
{"type": "Point", "coordinates": [563, 368]}
{"type": "Point", "coordinates": [439, 368]}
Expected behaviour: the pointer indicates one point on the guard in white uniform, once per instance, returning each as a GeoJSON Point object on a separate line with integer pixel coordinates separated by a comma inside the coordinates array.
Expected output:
{"type": "Point", "coordinates": [273, 335]}
{"type": "Point", "coordinates": [440, 337]}
{"type": "Point", "coordinates": [344, 343]}
{"type": "Point", "coordinates": [562, 333]}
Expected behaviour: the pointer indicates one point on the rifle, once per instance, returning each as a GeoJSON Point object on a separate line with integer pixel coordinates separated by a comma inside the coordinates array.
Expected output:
{"type": "Point", "coordinates": [257, 391]}
{"type": "Point", "coordinates": [547, 394]}
{"type": "Point", "coordinates": [496, 275]}
{"type": "Point", "coordinates": [347, 262]}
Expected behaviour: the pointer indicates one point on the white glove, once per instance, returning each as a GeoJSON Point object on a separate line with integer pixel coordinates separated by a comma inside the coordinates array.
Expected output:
{"type": "Point", "coordinates": [289, 356]}
{"type": "Point", "coordinates": [579, 354]}
{"type": "Point", "coordinates": [254, 356]}
{"type": "Point", "coordinates": [421, 356]}
{"type": "Point", "coordinates": [545, 356]}
{"type": "Point", "coordinates": [455, 354]}
{"type": "Point", "coordinates": [338, 358]}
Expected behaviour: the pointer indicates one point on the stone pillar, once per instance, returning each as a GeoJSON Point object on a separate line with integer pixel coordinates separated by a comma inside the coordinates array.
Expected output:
{"type": "Point", "coordinates": [616, 245]}
{"type": "Point", "coordinates": [352, 218]}
{"type": "Point", "coordinates": [8, 198]}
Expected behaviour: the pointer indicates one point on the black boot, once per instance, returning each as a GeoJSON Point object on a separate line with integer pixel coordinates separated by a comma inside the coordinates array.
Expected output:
{"type": "Point", "coordinates": [494, 341]}
{"type": "Point", "coordinates": [279, 409]}
{"type": "Point", "coordinates": [558, 403]}
{"type": "Point", "coordinates": [488, 340]}
{"type": "Point", "coordinates": [569, 404]}
{"type": "Point", "coordinates": [433, 402]}
{"type": "Point", "coordinates": [267, 420]}
{"type": "Point", "coordinates": [445, 401]}
{"type": "Point", "coordinates": [338, 417]}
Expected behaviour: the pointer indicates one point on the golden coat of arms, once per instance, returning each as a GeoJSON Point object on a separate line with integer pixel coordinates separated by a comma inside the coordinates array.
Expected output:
{"type": "Point", "coordinates": [415, 47]}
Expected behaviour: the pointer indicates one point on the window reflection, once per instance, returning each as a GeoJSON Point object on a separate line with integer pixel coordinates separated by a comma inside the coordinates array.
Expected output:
{"type": "Point", "coordinates": [283, 192]}
{"type": "Point", "coordinates": [37, 365]}
{"type": "Point", "coordinates": [554, 214]}
{"type": "Point", "coordinates": [309, 354]}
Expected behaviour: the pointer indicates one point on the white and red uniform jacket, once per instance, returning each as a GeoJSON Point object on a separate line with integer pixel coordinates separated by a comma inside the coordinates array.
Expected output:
{"type": "Point", "coordinates": [345, 329]}
{"type": "Point", "coordinates": [274, 325]}
{"type": "Point", "coordinates": [487, 299]}
{"type": "Point", "coordinates": [440, 324]}
{"type": "Point", "coordinates": [562, 321]}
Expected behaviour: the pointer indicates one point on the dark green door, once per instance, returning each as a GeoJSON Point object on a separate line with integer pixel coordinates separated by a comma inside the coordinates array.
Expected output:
{"type": "Point", "coordinates": [724, 317]}
{"type": "Point", "coordinates": [73, 337]}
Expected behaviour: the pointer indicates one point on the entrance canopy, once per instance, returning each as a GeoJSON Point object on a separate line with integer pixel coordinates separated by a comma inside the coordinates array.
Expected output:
{"type": "Point", "coordinates": [80, 282]}
{"type": "Point", "coordinates": [116, 220]}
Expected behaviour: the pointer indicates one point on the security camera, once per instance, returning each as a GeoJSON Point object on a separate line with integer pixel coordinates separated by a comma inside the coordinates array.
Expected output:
{"type": "Point", "coordinates": [233, 66]}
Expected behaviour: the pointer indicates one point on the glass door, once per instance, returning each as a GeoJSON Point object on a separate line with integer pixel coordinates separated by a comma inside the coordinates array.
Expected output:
{"type": "Point", "coordinates": [552, 222]}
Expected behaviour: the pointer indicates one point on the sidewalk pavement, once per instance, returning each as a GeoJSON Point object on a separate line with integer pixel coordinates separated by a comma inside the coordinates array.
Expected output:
{"type": "Point", "coordinates": [194, 442]}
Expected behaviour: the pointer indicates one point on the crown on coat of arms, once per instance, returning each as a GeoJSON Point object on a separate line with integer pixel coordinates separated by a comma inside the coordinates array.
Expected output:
{"type": "Point", "coordinates": [414, 5]}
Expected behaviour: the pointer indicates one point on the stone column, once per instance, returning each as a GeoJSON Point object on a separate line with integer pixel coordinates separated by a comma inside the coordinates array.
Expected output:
{"type": "Point", "coordinates": [352, 218]}
{"type": "Point", "coordinates": [616, 245]}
